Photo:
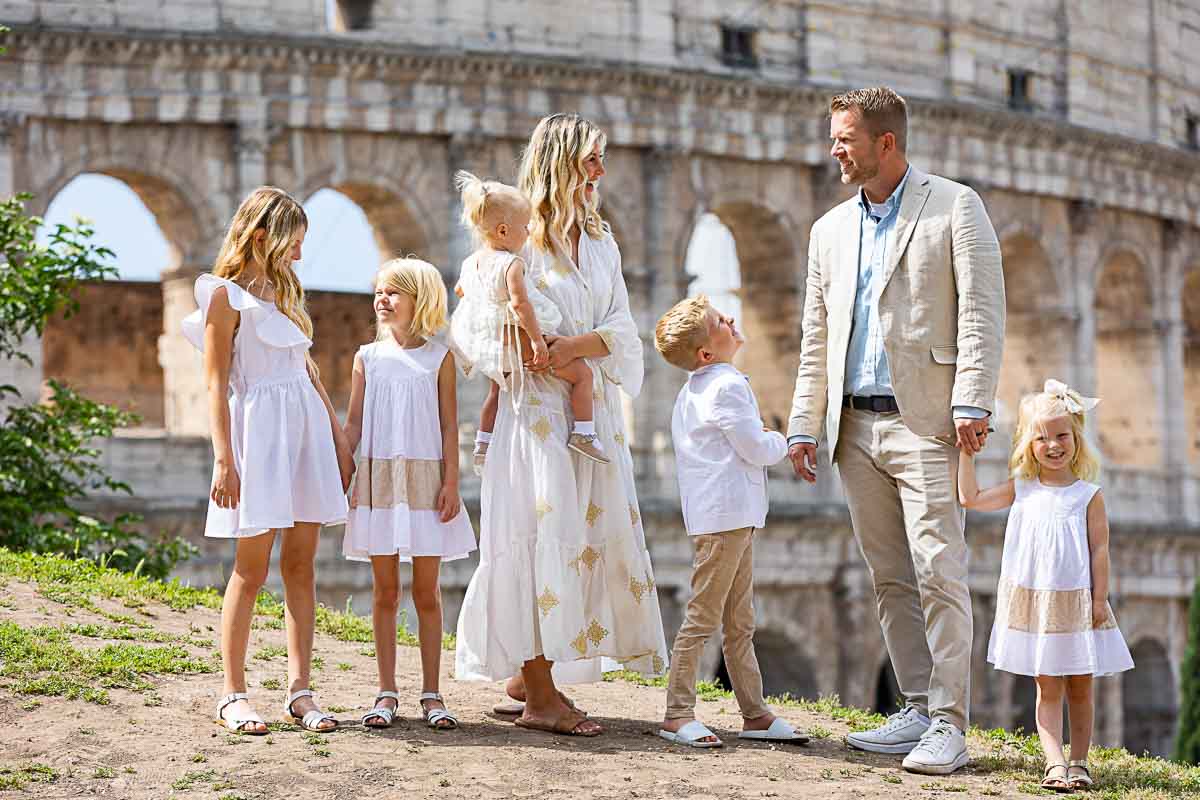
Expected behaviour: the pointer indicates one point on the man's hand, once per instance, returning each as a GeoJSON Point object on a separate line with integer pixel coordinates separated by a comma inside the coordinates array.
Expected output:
{"type": "Point", "coordinates": [970, 434]}
{"type": "Point", "coordinates": [804, 460]}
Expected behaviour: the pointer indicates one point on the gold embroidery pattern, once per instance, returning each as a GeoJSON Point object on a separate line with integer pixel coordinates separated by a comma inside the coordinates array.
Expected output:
{"type": "Point", "coordinates": [547, 602]}
{"type": "Point", "coordinates": [1047, 610]}
{"type": "Point", "coordinates": [541, 284]}
{"type": "Point", "coordinates": [633, 515]}
{"type": "Point", "coordinates": [619, 438]}
{"type": "Point", "coordinates": [588, 556]}
{"type": "Point", "coordinates": [388, 482]}
{"type": "Point", "coordinates": [561, 269]}
{"type": "Point", "coordinates": [593, 513]}
{"type": "Point", "coordinates": [637, 588]}
{"type": "Point", "coordinates": [533, 400]}
{"type": "Point", "coordinates": [542, 508]}
{"type": "Point", "coordinates": [580, 643]}
{"type": "Point", "coordinates": [541, 428]}
{"type": "Point", "coordinates": [596, 633]}
{"type": "Point", "coordinates": [657, 664]}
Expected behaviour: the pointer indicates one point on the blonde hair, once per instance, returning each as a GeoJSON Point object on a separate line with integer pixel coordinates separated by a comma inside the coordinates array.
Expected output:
{"type": "Point", "coordinates": [283, 221]}
{"type": "Point", "coordinates": [553, 178]}
{"type": "Point", "coordinates": [486, 204]}
{"type": "Point", "coordinates": [1034, 410]}
{"type": "Point", "coordinates": [421, 281]}
{"type": "Point", "coordinates": [682, 331]}
{"type": "Point", "coordinates": [882, 111]}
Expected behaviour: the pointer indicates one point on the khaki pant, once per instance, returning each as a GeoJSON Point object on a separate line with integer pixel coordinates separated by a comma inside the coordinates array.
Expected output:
{"type": "Point", "coordinates": [722, 594]}
{"type": "Point", "coordinates": [903, 497]}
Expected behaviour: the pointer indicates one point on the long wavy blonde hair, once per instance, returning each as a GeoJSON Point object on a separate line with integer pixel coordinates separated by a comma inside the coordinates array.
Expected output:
{"type": "Point", "coordinates": [283, 220]}
{"type": "Point", "coordinates": [1034, 410]}
{"type": "Point", "coordinates": [421, 281]}
{"type": "Point", "coordinates": [553, 178]}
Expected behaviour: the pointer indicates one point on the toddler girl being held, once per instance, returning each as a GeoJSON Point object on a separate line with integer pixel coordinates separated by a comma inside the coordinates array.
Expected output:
{"type": "Point", "coordinates": [1053, 621]}
{"type": "Point", "coordinates": [499, 328]}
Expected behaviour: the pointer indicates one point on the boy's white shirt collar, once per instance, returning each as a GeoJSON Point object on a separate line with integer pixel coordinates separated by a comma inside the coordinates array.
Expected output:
{"type": "Point", "coordinates": [712, 367]}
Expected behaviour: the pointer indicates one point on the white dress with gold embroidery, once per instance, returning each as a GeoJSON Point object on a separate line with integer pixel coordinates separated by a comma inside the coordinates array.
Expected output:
{"type": "Point", "coordinates": [564, 570]}
{"type": "Point", "coordinates": [393, 501]}
{"type": "Point", "coordinates": [1044, 602]}
{"type": "Point", "coordinates": [483, 325]}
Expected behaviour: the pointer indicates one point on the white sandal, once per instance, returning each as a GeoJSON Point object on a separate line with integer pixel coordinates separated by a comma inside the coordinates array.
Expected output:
{"type": "Point", "coordinates": [385, 714]}
{"type": "Point", "coordinates": [238, 724]}
{"type": "Point", "coordinates": [435, 715]}
{"type": "Point", "coordinates": [311, 720]}
{"type": "Point", "coordinates": [1083, 781]}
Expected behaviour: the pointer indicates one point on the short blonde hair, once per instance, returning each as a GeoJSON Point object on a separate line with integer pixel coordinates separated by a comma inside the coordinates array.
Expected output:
{"type": "Point", "coordinates": [1035, 409]}
{"type": "Point", "coordinates": [682, 331]}
{"type": "Point", "coordinates": [421, 281]}
{"type": "Point", "coordinates": [882, 111]}
{"type": "Point", "coordinates": [486, 204]}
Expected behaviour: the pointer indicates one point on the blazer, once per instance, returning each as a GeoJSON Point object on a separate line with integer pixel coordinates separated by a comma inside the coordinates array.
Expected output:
{"type": "Point", "coordinates": [722, 451]}
{"type": "Point", "coordinates": [941, 309]}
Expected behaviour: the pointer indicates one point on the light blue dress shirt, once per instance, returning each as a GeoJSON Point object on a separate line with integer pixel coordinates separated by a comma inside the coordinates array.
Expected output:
{"type": "Point", "coordinates": [867, 371]}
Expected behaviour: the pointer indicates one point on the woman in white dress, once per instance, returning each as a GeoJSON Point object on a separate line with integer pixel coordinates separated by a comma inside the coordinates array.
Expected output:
{"type": "Point", "coordinates": [281, 460]}
{"type": "Point", "coordinates": [564, 576]}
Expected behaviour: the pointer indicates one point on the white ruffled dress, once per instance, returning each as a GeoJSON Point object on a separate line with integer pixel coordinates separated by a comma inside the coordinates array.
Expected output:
{"type": "Point", "coordinates": [1044, 602]}
{"type": "Point", "coordinates": [484, 326]}
{"type": "Point", "coordinates": [280, 432]}
{"type": "Point", "coordinates": [393, 502]}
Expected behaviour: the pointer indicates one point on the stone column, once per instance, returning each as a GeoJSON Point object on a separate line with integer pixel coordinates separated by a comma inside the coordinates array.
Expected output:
{"type": "Point", "coordinates": [1172, 338]}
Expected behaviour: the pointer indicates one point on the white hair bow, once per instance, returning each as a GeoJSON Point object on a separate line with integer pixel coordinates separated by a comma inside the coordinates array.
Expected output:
{"type": "Point", "coordinates": [1075, 402]}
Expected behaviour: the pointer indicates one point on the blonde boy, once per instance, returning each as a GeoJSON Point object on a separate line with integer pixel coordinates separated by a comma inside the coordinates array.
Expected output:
{"type": "Point", "coordinates": [721, 452]}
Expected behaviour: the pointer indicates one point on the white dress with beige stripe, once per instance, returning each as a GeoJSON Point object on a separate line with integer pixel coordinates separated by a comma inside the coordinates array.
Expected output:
{"type": "Point", "coordinates": [399, 465]}
{"type": "Point", "coordinates": [1044, 602]}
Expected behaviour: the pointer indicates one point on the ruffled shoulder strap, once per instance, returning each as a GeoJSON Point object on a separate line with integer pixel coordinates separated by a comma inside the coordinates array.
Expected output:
{"type": "Point", "coordinates": [206, 286]}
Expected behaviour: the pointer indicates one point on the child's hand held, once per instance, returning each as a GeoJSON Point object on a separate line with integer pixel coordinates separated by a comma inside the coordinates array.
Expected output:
{"type": "Point", "coordinates": [448, 503]}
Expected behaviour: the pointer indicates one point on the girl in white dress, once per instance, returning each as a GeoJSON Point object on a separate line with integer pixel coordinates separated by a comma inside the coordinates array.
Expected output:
{"type": "Point", "coordinates": [564, 578]}
{"type": "Point", "coordinates": [503, 317]}
{"type": "Point", "coordinates": [1053, 620]}
{"type": "Point", "coordinates": [282, 462]}
{"type": "Point", "coordinates": [405, 504]}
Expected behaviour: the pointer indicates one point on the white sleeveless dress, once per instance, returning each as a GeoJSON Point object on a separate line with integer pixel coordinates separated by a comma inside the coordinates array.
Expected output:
{"type": "Point", "coordinates": [477, 328]}
{"type": "Point", "coordinates": [1044, 602]}
{"type": "Point", "coordinates": [282, 441]}
{"type": "Point", "coordinates": [393, 500]}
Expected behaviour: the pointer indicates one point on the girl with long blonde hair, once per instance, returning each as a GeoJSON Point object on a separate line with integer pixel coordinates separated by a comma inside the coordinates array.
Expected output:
{"type": "Point", "coordinates": [405, 506]}
{"type": "Point", "coordinates": [564, 578]}
{"type": "Point", "coordinates": [1053, 620]}
{"type": "Point", "coordinates": [281, 460]}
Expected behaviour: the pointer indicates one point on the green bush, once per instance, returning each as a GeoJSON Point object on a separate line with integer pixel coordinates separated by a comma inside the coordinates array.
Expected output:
{"type": "Point", "coordinates": [1187, 742]}
{"type": "Point", "coordinates": [47, 461]}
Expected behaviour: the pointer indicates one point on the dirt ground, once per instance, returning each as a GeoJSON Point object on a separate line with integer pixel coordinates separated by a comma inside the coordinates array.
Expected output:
{"type": "Point", "coordinates": [131, 750]}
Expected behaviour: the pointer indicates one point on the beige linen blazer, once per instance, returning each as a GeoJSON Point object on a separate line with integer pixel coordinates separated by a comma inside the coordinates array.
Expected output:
{"type": "Point", "coordinates": [941, 308]}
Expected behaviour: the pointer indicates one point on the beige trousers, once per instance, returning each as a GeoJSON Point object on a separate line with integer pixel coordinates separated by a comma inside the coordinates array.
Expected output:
{"type": "Point", "coordinates": [903, 497]}
{"type": "Point", "coordinates": [722, 594]}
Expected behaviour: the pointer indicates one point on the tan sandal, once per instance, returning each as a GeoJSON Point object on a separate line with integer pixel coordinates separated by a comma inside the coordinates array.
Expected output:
{"type": "Point", "coordinates": [1083, 781]}
{"type": "Point", "coordinates": [1055, 784]}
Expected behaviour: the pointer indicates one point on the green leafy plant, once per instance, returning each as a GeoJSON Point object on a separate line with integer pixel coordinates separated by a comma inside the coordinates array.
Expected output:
{"type": "Point", "coordinates": [1187, 742]}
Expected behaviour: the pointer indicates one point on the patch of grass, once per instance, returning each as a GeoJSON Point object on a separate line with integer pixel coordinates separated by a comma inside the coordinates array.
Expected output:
{"type": "Point", "coordinates": [190, 779]}
{"type": "Point", "coordinates": [318, 663]}
{"type": "Point", "coordinates": [273, 684]}
{"type": "Point", "coordinates": [104, 772]}
{"type": "Point", "coordinates": [267, 652]}
{"type": "Point", "coordinates": [344, 667]}
{"type": "Point", "coordinates": [369, 652]}
{"type": "Point", "coordinates": [120, 632]}
{"type": "Point", "coordinates": [891, 779]}
{"type": "Point", "coordinates": [337, 709]}
{"type": "Point", "coordinates": [817, 732]}
{"type": "Point", "coordinates": [20, 777]}
{"type": "Point", "coordinates": [44, 661]}
{"type": "Point", "coordinates": [199, 758]}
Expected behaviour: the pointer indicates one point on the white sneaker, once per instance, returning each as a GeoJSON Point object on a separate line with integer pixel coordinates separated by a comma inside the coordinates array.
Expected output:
{"type": "Point", "coordinates": [942, 750]}
{"type": "Point", "coordinates": [900, 734]}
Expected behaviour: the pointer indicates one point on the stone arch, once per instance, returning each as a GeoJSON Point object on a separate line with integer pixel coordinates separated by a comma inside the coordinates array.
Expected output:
{"type": "Point", "coordinates": [1128, 357]}
{"type": "Point", "coordinates": [395, 222]}
{"type": "Point", "coordinates": [1039, 330]}
{"type": "Point", "coordinates": [772, 299]}
{"type": "Point", "coordinates": [1190, 299]}
{"type": "Point", "coordinates": [1149, 702]}
{"type": "Point", "coordinates": [785, 667]}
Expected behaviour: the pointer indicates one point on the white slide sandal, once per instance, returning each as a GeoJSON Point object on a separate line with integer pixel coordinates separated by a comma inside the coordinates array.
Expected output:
{"type": "Point", "coordinates": [690, 735]}
{"type": "Point", "coordinates": [780, 731]}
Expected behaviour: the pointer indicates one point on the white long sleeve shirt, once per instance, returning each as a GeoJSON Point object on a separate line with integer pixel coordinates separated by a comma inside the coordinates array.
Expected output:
{"type": "Point", "coordinates": [722, 452]}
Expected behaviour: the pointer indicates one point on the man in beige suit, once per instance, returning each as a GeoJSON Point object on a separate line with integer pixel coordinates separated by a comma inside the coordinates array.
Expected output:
{"type": "Point", "coordinates": [903, 328]}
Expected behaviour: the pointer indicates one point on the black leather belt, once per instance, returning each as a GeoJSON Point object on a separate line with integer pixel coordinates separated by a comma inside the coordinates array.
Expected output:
{"type": "Point", "coordinates": [878, 403]}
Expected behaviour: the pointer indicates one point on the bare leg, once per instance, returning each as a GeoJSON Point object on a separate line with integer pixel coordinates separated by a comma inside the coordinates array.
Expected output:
{"type": "Point", "coordinates": [487, 415]}
{"type": "Point", "coordinates": [250, 563]}
{"type": "Point", "coordinates": [544, 704]}
{"type": "Point", "coordinates": [1049, 716]}
{"type": "Point", "coordinates": [386, 597]}
{"type": "Point", "coordinates": [579, 376]}
{"type": "Point", "coordinates": [1080, 712]}
{"type": "Point", "coordinates": [296, 556]}
{"type": "Point", "coordinates": [427, 599]}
